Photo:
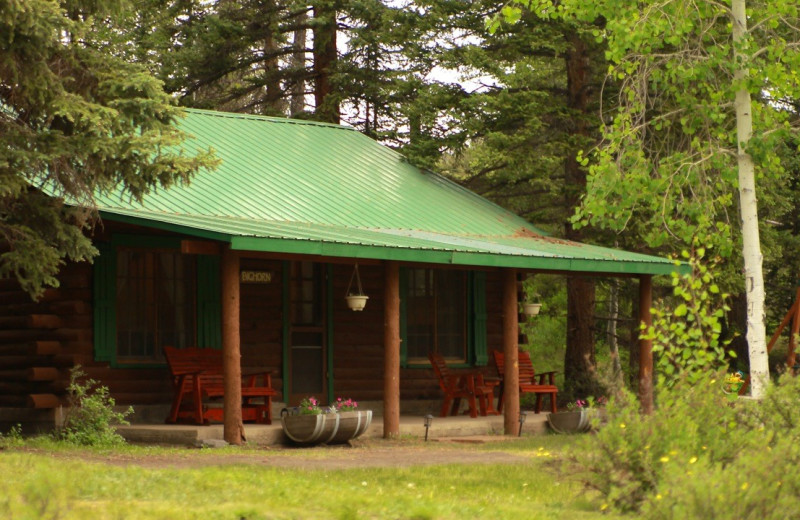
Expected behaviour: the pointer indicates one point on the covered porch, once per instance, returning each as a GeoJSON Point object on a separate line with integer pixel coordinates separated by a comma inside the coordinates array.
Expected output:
{"type": "Point", "coordinates": [460, 428]}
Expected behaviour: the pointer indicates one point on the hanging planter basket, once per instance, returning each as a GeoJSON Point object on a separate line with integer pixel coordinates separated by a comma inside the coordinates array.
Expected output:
{"type": "Point", "coordinates": [356, 301]}
{"type": "Point", "coordinates": [531, 309]}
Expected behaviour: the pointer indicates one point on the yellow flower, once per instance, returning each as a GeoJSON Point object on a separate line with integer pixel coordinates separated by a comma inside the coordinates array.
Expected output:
{"type": "Point", "coordinates": [692, 460]}
{"type": "Point", "coordinates": [603, 507]}
{"type": "Point", "coordinates": [622, 425]}
{"type": "Point", "coordinates": [658, 497]}
{"type": "Point", "coordinates": [664, 459]}
{"type": "Point", "coordinates": [745, 486]}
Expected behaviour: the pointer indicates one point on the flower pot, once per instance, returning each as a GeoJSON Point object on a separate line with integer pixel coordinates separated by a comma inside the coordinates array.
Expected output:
{"type": "Point", "coordinates": [351, 425]}
{"type": "Point", "coordinates": [577, 421]}
{"type": "Point", "coordinates": [327, 428]}
{"type": "Point", "coordinates": [310, 429]}
{"type": "Point", "coordinates": [531, 309]}
{"type": "Point", "coordinates": [356, 302]}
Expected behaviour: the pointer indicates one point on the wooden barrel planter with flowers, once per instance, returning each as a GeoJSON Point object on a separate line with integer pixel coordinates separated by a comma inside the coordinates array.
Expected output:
{"type": "Point", "coordinates": [577, 421]}
{"type": "Point", "coordinates": [311, 424]}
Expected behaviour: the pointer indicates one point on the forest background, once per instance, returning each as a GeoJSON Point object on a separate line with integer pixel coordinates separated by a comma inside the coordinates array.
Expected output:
{"type": "Point", "coordinates": [519, 114]}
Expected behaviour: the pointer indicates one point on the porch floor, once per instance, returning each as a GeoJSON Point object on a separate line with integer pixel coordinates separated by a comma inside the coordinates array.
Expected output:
{"type": "Point", "coordinates": [460, 427]}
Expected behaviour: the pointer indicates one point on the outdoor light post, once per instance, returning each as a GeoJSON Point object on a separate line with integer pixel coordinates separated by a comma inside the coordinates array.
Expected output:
{"type": "Point", "coordinates": [522, 416]}
{"type": "Point", "coordinates": [428, 421]}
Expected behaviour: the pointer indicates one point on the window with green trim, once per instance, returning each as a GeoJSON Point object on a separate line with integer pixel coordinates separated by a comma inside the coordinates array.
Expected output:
{"type": "Point", "coordinates": [436, 320]}
{"type": "Point", "coordinates": [445, 311]}
{"type": "Point", "coordinates": [156, 298]}
{"type": "Point", "coordinates": [148, 297]}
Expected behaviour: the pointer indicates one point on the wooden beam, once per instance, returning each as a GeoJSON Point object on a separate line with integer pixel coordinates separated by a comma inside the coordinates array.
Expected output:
{"type": "Point", "coordinates": [391, 342]}
{"type": "Point", "coordinates": [646, 345]}
{"type": "Point", "coordinates": [43, 374]}
{"type": "Point", "coordinates": [43, 401]}
{"type": "Point", "coordinates": [510, 353]}
{"type": "Point", "coordinates": [200, 247]}
{"type": "Point", "coordinates": [233, 427]}
{"type": "Point", "coordinates": [32, 348]}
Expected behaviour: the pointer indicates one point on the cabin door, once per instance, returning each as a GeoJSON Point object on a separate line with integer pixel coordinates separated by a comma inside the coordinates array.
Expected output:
{"type": "Point", "coordinates": [307, 332]}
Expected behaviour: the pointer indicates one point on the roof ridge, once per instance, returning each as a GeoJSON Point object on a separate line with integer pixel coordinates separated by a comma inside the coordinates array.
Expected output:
{"type": "Point", "coordinates": [271, 119]}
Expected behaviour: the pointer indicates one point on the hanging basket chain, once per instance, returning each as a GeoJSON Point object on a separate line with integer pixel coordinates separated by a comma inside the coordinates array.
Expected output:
{"type": "Point", "coordinates": [358, 283]}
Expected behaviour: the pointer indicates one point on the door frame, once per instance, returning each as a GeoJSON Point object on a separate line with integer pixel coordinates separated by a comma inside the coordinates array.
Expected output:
{"type": "Point", "coordinates": [327, 302]}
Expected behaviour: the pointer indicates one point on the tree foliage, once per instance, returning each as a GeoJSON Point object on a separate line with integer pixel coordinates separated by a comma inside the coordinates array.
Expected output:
{"type": "Point", "coordinates": [74, 120]}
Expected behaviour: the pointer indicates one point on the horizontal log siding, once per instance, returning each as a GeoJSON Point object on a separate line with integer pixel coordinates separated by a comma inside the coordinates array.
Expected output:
{"type": "Point", "coordinates": [358, 340]}
{"type": "Point", "coordinates": [261, 322]}
{"type": "Point", "coordinates": [40, 341]}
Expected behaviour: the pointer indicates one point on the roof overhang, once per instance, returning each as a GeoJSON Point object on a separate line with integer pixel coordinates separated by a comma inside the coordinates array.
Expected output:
{"type": "Point", "coordinates": [526, 251]}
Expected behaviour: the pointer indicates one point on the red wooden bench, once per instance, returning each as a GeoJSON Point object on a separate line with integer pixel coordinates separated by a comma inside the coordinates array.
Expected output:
{"type": "Point", "coordinates": [197, 378]}
{"type": "Point", "coordinates": [529, 381]}
{"type": "Point", "coordinates": [467, 385]}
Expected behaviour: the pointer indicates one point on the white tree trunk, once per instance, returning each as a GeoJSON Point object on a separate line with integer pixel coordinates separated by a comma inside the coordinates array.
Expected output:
{"type": "Point", "coordinates": [751, 248]}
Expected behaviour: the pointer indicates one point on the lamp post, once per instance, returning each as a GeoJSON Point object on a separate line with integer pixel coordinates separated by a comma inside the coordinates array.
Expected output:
{"type": "Point", "coordinates": [522, 416]}
{"type": "Point", "coordinates": [428, 421]}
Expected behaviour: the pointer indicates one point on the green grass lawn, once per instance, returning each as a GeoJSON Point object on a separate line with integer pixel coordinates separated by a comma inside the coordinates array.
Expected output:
{"type": "Point", "coordinates": [46, 480]}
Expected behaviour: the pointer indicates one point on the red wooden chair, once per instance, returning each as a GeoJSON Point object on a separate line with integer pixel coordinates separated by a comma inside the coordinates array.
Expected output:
{"type": "Point", "coordinates": [462, 385]}
{"type": "Point", "coordinates": [529, 381]}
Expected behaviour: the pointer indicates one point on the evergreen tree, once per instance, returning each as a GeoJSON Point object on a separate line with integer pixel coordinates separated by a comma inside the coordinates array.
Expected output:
{"type": "Point", "coordinates": [75, 119]}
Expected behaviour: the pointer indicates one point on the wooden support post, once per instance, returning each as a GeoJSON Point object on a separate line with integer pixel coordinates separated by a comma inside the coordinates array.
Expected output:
{"type": "Point", "coordinates": [510, 353]}
{"type": "Point", "coordinates": [646, 345]}
{"type": "Point", "coordinates": [792, 356]}
{"type": "Point", "coordinates": [391, 342]}
{"type": "Point", "coordinates": [233, 428]}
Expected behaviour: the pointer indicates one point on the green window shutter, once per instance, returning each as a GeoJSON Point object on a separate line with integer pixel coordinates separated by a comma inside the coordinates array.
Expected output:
{"type": "Point", "coordinates": [209, 305]}
{"type": "Point", "coordinates": [403, 316]}
{"type": "Point", "coordinates": [480, 353]}
{"type": "Point", "coordinates": [105, 302]}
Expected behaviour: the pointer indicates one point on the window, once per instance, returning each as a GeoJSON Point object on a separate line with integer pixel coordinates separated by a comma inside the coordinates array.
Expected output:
{"type": "Point", "coordinates": [148, 295]}
{"type": "Point", "coordinates": [436, 315]}
{"type": "Point", "coordinates": [155, 303]}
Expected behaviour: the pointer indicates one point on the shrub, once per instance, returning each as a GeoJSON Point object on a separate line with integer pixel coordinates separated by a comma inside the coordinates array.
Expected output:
{"type": "Point", "coordinates": [90, 418]}
{"type": "Point", "coordinates": [11, 438]}
{"type": "Point", "coordinates": [761, 481]}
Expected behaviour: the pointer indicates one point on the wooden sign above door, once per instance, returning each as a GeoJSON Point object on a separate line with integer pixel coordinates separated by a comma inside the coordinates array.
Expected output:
{"type": "Point", "coordinates": [256, 277]}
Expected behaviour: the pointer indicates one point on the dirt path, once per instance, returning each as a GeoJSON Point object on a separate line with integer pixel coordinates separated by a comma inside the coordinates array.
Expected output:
{"type": "Point", "coordinates": [361, 455]}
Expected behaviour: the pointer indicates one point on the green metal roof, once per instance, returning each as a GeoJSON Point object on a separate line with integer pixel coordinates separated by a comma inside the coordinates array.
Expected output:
{"type": "Point", "coordinates": [312, 188]}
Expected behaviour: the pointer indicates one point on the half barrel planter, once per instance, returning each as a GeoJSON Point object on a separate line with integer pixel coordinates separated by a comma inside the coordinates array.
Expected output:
{"type": "Point", "coordinates": [326, 428]}
{"type": "Point", "coordinates": [577, 421]}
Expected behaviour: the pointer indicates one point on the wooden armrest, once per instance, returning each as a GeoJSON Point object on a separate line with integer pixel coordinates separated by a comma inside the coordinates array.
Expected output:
{"type": "Point", "coordinates": [549, 375]}
{"type": "Point", "coordinates": [266, 374]}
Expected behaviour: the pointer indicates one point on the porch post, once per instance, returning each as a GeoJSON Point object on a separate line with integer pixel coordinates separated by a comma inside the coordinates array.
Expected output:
{"type": "Point", "coordinates": [391, 343]}
{"type": "Point", "coordinates": [645, 345]}
{"type": "Point", "coordinates": [510, 353]}
{"type": "Point", "coordinates": [233, 429]}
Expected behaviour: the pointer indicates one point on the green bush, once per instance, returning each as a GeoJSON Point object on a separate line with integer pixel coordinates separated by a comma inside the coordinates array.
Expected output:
{"type": "Point", "coordinates": [11, 438]}
{"type": "Point", "coordinates": [627, 459]}
{"type": "Point", "coordinates": [90, 417]}
{"type": "Point", "coordinates": [760, 481]}
{"type": "Point", "coordinates": [702, 454]}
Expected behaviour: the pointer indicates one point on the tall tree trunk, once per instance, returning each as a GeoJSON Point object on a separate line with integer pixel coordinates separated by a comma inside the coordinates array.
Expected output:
{"type": "Point", "coordinates": [276, 105]}
{"type": "Point", "coordinates": [579, 359]}
{"type": "Point", "coordinates": [298, 64]}
{"type": "Point", "coordinates": [324, 60]}
{"type": "Point", "coordinates": [748, 207]}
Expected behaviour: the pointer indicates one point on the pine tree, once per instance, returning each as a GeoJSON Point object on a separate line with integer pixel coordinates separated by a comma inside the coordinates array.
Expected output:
{"type": "Point", "coordinates": [75, 119]}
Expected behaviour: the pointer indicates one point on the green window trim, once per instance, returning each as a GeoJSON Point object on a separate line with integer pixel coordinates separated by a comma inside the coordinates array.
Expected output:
{"type": "Point", "coordinates": [208, 302]}
{"type": "Point", "coordinates": [477, 351]}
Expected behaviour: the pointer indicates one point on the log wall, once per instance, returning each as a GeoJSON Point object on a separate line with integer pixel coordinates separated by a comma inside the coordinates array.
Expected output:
{"type": "Point", "coordinates": [41, 341]}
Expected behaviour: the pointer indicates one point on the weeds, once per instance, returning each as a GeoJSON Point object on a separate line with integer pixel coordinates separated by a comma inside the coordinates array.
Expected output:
{"type": "Point", "coordinates": [90, 417]}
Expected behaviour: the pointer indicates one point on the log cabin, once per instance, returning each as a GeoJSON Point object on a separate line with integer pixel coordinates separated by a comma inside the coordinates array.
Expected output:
{"type": "Point", "coordinates": [256, 257]}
